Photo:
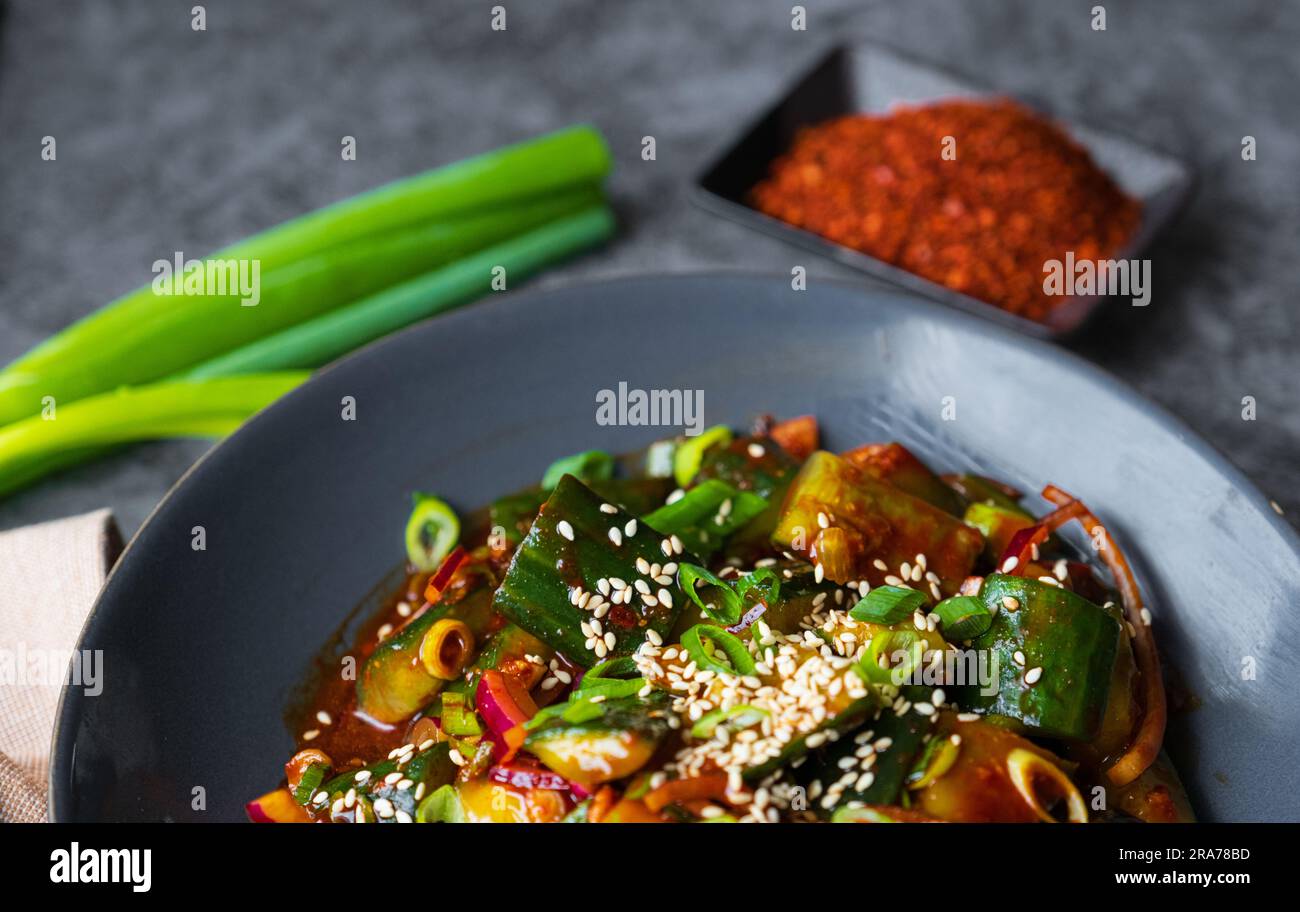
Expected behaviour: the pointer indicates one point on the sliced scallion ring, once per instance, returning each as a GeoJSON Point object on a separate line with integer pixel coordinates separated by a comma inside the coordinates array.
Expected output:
{"type": "Point", "coordinates": [431, 532]}
{"type": "Point", "coordinates": [963, 617]}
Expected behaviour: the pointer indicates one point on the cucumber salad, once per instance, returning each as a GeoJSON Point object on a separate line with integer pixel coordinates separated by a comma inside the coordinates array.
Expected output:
{"type": "Point", "coordinates": [742, 627]}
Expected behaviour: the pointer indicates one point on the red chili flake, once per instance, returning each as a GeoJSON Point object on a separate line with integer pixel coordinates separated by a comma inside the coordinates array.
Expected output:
{"type": "Point", "coordinates": [1016, 192]}
{"type": "Point", "coordinates": [622, 616]}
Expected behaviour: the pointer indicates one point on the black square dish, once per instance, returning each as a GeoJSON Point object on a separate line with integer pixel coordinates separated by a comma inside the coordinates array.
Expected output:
{"type": "Point", "coordinates": [870, 78]}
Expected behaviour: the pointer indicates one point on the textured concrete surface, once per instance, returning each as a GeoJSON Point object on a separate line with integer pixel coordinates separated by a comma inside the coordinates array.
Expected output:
{"type": "Point", "coordinates": [171, 139]}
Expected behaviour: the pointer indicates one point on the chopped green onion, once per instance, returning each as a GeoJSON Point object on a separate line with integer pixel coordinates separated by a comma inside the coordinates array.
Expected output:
{"type": "Point", "coordinates": [700, 519]}
{"type": "Point", "coordinates": [457, 718]}
{"type": "Point", "coordinates": [690, 452]}
{"type": "Point", "coordinates": [732, 594]}
{"type": "Point", "coordinates": [764, 579]}
{"type": "Point", "coordinates": [732, 608]}
{"type": "Point", "coordinates": [884, 645]}
{"type": "Point", "coordinates": [588, 466]}
{"type": "Point", "coordinates": [431, 532]}
{"type": "Point", "coordinates": [730, 645]}
{"type": "Point", "coordinates": [742, 716]}
{"type": "Point", "coordinates": [963, 617]}
{"type": "Point", "coordinates": [888, 605]}
{"type": "Point", "coordinates": [442, 805]}
{"type": "Point", "coordinates": [311, 779]}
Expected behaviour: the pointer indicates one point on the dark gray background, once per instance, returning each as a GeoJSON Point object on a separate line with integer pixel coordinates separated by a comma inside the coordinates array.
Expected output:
{"type": "Point", "coordinates": [170, 139]}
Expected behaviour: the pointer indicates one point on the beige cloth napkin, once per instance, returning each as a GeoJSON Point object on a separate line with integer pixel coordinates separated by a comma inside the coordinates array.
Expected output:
{"type": "Point", "coordinates": [50, 575]}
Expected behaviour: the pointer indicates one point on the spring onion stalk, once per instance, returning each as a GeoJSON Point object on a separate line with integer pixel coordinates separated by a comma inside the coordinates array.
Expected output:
{"type": "Point", "coordinates": [35, 446]}
{"type": "Point", "coordinates": [103, 351]}
{"type": "Point", "coordinates": [319, 341]}
{"type": "Point", "coordinates": [308, 265]}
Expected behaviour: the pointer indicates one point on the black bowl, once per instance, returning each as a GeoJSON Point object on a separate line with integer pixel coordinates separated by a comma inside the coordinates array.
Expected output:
{"type": "Point", "coordinates": [303, 512]}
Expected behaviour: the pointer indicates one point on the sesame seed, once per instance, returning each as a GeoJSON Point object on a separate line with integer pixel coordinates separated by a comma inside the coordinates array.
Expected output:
{"type": "Point", "coordinates": [630, 529]}
{"type": "Point", "coordinates": [363, 776]}
{"type": "Point", "coordinates": [1032, 675]}
{"type": "Point", "coordinates": [310, 735]}
{"type": "Point", "coordinates": [1010, 564]}
{"type": "Point", "coordinates": [608, 508]}
{"type": "Point", "coordinates": [756, 450]}
{"type": "Point", "coordinates": [323, 717]}
{"type": "Point", "coordinates": [1011, 603]}
{"type": "Point", "coordinates": [615, 536]}
{"type": "Point", "coordinates": [564, 529]}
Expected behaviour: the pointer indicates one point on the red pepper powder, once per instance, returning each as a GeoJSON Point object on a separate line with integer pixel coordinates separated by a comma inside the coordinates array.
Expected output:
{"type": "Point", "coordinates": [1015, 192]}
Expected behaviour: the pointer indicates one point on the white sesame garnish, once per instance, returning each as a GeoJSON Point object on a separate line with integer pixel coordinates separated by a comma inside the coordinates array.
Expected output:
{"type": "Point", "coordinates": [608, 508]}
{"type": "Point", "coordinates": [323, 717]}
{"type": "Point", "coordinates": [630, 529]}
{"type": "Point", "coordinates": [1010, 564]}
{"type": "Point", "coordinates": [1033, 674]}
{"type": "Point", "coordinates": [310, 734]}
{"type": "Point", "coordinates": [564, 529]}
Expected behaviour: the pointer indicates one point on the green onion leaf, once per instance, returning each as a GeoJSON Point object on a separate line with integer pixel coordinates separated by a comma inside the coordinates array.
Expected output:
{"type": "Point", "coordinates": [888, 605]}
{"type": "Point", "coordinates": [739, 661]}
{"type": "Point", "coordinates": [588, 466]}
{"type": "Point", "coordinates": [963, 617]}
{"type": "Point", "coordinates": [431, 532]}
{"type": "Point", "coordinates": [690, 452]}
